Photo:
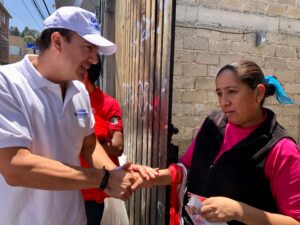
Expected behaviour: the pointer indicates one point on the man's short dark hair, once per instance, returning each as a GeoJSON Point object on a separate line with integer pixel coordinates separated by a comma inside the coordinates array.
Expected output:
{"type": "Point", "coordinates": [44, 40]}
{"type": "Point", "coordinates": [95, 71]}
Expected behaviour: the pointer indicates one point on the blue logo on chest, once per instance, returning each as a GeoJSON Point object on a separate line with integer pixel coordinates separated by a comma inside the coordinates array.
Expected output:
{"type": "Point", "coordinates": [81, 113]}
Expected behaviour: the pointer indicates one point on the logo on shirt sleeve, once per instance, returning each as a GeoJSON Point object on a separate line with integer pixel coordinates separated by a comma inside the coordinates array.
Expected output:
{"type": "Point", "coordinates": [81, 113]}
{"type": "Point", "coordinates": [114, 120]}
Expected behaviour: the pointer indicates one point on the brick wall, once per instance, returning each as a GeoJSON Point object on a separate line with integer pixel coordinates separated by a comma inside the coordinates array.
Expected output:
{"type": "Point", "coordinates": [4, 17]}
{"type": "Point", "coordinates": [210, 34]}
{"type": "Point", "coordinates": [281, 8]}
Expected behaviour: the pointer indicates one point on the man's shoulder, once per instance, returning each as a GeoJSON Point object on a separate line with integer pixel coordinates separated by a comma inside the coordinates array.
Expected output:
{"type": "Point", "coordinates": [81, 92]}
{"type": "Point", "coordinates": [10, 73]}
{"type": "Point", "coordinates": [105, 98]}
{"type": "Point", "coordinates": [110, 103]}
{"type": "Point", "coordinates": [80, 86]}
{"type": "Point", "coordinates": [109, 99]}
{"type": "Point", "coordinates": [5, 70]}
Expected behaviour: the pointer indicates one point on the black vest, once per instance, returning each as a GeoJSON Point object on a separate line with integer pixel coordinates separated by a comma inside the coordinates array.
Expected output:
{"type": "Point", "coordinates": [239, 173]}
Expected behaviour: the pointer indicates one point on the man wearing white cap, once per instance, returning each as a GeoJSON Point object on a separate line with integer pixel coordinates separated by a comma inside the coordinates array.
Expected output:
{"type": "Point", "coordinates": [46, 122]}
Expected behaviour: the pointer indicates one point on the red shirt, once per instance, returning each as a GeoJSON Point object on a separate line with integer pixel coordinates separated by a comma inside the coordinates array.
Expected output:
{"type": "Point", "coordinates": [107, 108]}
{"type": "Point", "coordinates": [108, 118]}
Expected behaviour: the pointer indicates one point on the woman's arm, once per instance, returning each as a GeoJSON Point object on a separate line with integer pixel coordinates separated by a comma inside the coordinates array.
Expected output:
{"type": "Point", "coordinates": [282, 168]}
{"type": "Point", "coordinates": [254, 216]}
{"type": "Point", "coordinates": [163, 178]}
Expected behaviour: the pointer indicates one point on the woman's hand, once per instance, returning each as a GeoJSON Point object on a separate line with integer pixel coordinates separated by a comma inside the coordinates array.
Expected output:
{"type": "Point", "coordinates": [143, 174]}
{"type": "Point", "coordinates": [221, 209]}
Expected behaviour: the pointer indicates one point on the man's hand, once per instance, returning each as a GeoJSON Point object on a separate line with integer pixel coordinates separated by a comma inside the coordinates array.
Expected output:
{"type": "Point", "coordinates": [141, 173]}
{"type": "Point", "coordinates": [119, 183]}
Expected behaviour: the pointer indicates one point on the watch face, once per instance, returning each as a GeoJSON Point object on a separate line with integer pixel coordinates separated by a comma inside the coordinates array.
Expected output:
{"type": "Point", "coordinates": [114, 120]}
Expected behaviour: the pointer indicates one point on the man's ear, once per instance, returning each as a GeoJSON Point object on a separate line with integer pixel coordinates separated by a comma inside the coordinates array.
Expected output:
{"type": "Point", "coordinates": [260, 92]}
{"type": "Point", "coordinates": [56, 40]}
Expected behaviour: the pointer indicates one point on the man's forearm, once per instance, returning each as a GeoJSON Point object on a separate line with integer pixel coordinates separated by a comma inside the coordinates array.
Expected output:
{"type": "Point", "coordinates": [20, 167]}
{"type": "Point", "coordinates": [29, 170]}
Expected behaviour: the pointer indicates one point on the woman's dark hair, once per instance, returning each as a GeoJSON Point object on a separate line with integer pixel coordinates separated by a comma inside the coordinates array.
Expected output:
{"type": "Point", "coordinates": [250, 74]}
{"type": "Point", "coordinates": [44, 40]}
{"type": "Point", "coordinates": [95, 71]}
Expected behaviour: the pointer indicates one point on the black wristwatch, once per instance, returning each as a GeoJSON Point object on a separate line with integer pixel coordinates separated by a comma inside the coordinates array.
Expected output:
{"type": "Point", "coordinates": [104, 181]}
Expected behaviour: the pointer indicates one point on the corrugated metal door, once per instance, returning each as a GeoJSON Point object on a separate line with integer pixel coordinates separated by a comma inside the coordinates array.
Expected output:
{"type": "Point", "coordinates": [144, 62]}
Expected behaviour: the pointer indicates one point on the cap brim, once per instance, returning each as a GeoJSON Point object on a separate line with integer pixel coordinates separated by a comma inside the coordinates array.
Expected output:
{"type": "Point", "coordinates": [106, 47]}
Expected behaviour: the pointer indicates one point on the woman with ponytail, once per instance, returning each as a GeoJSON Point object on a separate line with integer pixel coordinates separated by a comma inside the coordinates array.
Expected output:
{"type": "Point", "coordinates": [242, 161]}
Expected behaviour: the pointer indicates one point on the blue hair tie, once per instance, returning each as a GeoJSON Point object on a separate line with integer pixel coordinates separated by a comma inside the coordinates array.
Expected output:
{"type": "Point", "coordinates": [279, 92]}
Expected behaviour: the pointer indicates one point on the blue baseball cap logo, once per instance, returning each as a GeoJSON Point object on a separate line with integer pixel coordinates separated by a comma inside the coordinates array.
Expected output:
{"type": "Point", "coordinates": [94, 24]}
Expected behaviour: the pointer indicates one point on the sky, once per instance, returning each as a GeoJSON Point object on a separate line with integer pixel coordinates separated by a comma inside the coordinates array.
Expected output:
{"type": "Point", "coordinates": [24, 13]}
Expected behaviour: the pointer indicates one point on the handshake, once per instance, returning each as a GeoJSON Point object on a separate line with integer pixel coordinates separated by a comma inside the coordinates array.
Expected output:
{"type": "Point", "coordinates": [123, 181]}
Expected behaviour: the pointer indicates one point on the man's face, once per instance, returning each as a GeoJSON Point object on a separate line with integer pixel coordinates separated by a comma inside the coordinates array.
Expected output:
{"type": "Point", "coordinates": [77, 56]}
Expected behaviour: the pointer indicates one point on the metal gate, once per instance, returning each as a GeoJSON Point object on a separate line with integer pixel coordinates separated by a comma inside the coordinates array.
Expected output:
{"type": "Point", "coordinates": [143, 73]}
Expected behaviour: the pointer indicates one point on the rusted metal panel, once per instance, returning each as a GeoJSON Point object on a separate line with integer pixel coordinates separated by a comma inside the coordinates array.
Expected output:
{"type": "Point", "coordinates": [143, 34]}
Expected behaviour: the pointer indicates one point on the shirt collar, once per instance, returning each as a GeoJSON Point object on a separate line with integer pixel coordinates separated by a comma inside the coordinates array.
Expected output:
{"type": "Point", "coordinates": [37, 80]}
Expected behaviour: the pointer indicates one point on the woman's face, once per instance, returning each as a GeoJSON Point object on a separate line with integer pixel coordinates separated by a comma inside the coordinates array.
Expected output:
{"type": "Point", "coordinates": [241, 105]}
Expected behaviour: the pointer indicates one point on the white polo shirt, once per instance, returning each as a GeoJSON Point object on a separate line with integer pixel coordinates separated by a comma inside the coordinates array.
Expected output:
{"type": "Point", "coordinates": [34, 115]}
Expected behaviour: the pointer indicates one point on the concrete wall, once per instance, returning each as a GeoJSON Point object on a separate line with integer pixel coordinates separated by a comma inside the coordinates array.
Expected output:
{"type": "Point", "coordinates": [17, 49]}
{"type": "Point", "coordinates": [17, 43]}
{"type": "Point", "coordinates": [212, 33]}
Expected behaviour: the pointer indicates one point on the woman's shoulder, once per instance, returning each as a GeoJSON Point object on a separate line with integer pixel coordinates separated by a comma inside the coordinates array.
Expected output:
{"type": "Point", "coordinates": [217, 117]}
{"type": "Point", "coordinates": [285, 147]}
{"type": "Point", "coordinates": [283, 171]}
{"type": "Point", "coordinates": [284, 154]}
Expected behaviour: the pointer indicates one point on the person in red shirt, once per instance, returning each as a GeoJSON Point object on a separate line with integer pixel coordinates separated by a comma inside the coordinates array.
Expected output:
{"type": "Point", "coordinates": [109, 132]}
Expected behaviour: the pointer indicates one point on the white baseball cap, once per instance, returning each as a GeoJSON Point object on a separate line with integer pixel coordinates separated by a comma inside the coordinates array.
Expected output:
{"type": "Point", "coordinates": [84, 23]}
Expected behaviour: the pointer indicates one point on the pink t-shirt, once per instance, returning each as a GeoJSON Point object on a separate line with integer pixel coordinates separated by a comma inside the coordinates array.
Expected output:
{"type": "Point", "coordinates": [282, 167]}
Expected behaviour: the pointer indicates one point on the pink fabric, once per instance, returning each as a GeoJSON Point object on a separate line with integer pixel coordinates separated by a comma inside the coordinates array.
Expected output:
{"type": "Point", "coordinates": [282, 167]}
{"type": "Point", "coordinates": [186, 159]}
{"type": "Point", "coordinates": [231, 140]}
